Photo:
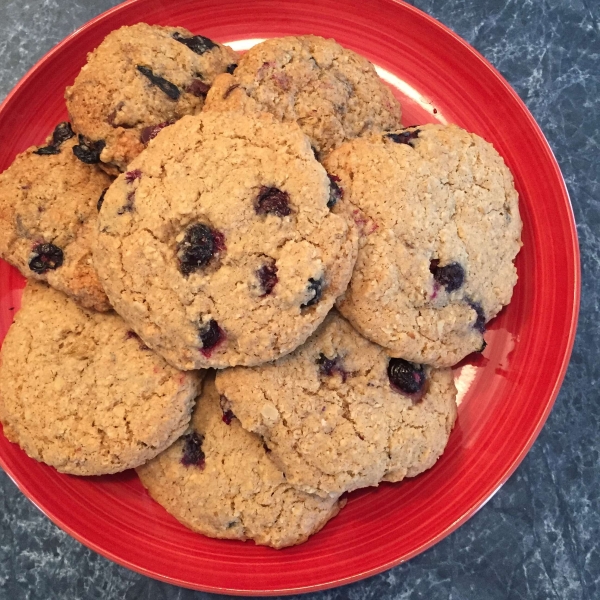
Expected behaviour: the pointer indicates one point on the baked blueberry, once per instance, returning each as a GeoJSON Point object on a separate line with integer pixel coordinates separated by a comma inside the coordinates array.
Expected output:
{"type": "Point", "coordinates": [406, 377]}
{"type": "Point", "coordinates": [170, 89]}
{"type": "Point", "coordinates": [267, 275]}
{"type": "Point", "coordinates": [45, 257]}
{"type": "Point", "coordinates": [451, 276]}
{"type": "Point", "coordinates": [336, 192]}
{"type": "Point", "coordinates": [404, 137]}
{"type": "Point", "coordinates": [197, 43]}
{"type": "Point", "coordinates": [192, 450]}
{"type": "Point", "coordinates": [480, 321]}
{"type": "Point", "coordinates": [272, 201]}
{"type": "Point", "coordinates": [315, 290]}
{"type": "Point", "coordinates": [198, 246]}
{"type": "Point", "coordinates": [87, 151]}
{"type": "Point", "coordinates": [211, 335]}
{"type": "Point", "coordinates": [198, 88]}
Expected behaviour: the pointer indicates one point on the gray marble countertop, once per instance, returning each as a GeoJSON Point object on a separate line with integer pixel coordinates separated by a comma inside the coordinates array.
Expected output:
{"type": "Point", "coordinates": [538, 538]}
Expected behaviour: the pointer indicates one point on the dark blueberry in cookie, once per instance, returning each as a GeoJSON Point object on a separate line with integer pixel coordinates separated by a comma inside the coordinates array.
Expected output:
{"type": "Point", "coordinates": [405, 376]}
{"type": "Point", "coordinates": [192, 450]}
{"type": "Point", "coordinates": [149, 133]}
{"type": "Point", "coordinates": [62, 133]}
{"type": "Point", "coordinates": [101, 199]}
{"type": "Point", "coordinates": [198, 43]}
{"type": "Point", "coordinates": [131, 176]}
{"type": "Point", "coordinates": [210, 335]}
{"type": "Point", "coordinates": [480, 321]}
{"type": "Point", "coordinates": [45, 257]}
{"type": "Point", "coordinates": [231, 68]}
{"type": "Point", "coordinates": [451, 276]}
{"type": "Point", "coordinates": [128, 206]}
{"type": "Point", "coordinates": [267, 275]}
{"type": "Point", "coordinates": [170, 89]}
{"type": "Point", "coordinates": [405, 137]}
{"type": "Point", "coordinates": [272, 201]}
{"type": "Point", "coordinates": [336, 192]}
{"type": "Point", "coordinates": [46, 150]}
{"type": "Point", "coordinates": [198, 246]}
{"type": "Point", "coordinates": [330, 366]}
{"type": "Point", "coordinates": [198, 88]}
{"type": "Point", "coordinates": [88, 152]}
{"type": "Point", "coordinates": [315, 290]}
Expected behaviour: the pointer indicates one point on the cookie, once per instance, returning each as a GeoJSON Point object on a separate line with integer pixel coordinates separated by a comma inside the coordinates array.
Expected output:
{"type": "Point", "coordinates": [219, 246]}
{"type": "Point", "coordinates": [80, 392]}
{"type": "Point", "coordinates": [218, 480]}
{"type": "Point", "coordinates": [48, 213]}
{"type": "Point", "coordinates": [440, 229]}
{"type": "Point", "coordinates": [150, 76]}
{"type": "Point", "coordinates": [338, 414]}
{"type": "Point", "coordinates": [331, 92]}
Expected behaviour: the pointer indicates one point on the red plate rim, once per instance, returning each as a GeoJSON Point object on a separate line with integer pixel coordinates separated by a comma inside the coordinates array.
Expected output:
{"type": "Point", "coordinates": [485, 496]}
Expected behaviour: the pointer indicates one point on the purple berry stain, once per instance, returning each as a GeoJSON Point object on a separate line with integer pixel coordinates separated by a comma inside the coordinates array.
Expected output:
{"type": "Point", "coordinates": [192, 451]}
{"type": "Point", "coordinates": [211, 336]}
{"type": "Point", "coordinates": [228, 415]}
{"type": "Point", "coordinates": [451, 276]}
{"type": "Point", "coordinates": [272, 201]}
{"type": "Point", "coordinates": [150, 132]}
{"type": "Point", "coordinates": [131, 176]}
{"type": "Point", "coordinates": [407, 378]}
{"type": "Point", "coordinates": [198, 88]}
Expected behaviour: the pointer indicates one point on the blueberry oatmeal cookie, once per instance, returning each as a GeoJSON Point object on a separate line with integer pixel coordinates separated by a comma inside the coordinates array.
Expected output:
{"type": "Point", "coordinates": [150, 76]}
{"type": "Point", "coordinates": [79, 391]}
{"type": "Point", "coordinates": [48, 212]}
{"type": "Point", "coordinates": [219, 246]}
{"type": "Point", "coordinates": [340, 414]}
{"type": "Point", "coordinates": [439, 233]}
{"type": "Point", "coordinates": [331, 92]}
{"type": "Point", "coordinates": [218, 480]}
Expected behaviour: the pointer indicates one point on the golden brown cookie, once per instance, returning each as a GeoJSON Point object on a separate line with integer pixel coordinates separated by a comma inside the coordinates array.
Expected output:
{"type": "Point", "coordinates": [81, 392]}
{"type": "Point", "coordinates": [150, 76]}
{"type": "Point", "coordinates": [218, 480]}
{"type": "Point", "coordinates": [48, 211]}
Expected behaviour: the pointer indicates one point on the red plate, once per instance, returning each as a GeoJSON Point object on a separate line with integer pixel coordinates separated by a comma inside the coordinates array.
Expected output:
{"type": "Point", "coordinates": [506, 394]}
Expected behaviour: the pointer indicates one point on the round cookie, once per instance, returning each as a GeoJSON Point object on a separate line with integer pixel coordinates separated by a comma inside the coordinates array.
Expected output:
{"type": "Point", "coordinates": [48, 213]}
{"type": "Point", "coordinates": [80, 392]}
{"type": "Point", "coordinates": [338, 414]}
{"type": "Point", "coordinates": [150, 76]}
{"type": "Point", "coordinates": [439, 233]}
{"type": "Point", "coordinates": [218, 480]}
{"type": "Point", "coordinates": [219, 246]}
{"type": "Point", "coordinates": [331, 92]}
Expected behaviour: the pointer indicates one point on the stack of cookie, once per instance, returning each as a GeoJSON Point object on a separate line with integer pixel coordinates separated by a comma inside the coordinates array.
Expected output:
{"type": "Point", "coordinates": [260, 311]}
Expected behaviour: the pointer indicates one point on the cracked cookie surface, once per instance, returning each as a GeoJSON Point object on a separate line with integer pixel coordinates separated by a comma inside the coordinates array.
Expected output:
{"type": "Point", "coordinates": [332, 418]}
{"type": "Point", "coordinates": [80, 392]}
{"type": "Point", "coordinates": [439, 234]}
{"type": "Point", "coordinates": [218, 246]}
{"type": "Point", "coordinates": [48, 213]}
{"type": "Point", "coordinates": [333, 93]}
{"type": "Point", "coordinates": [224, 485]}
{"type": "Point", "coordinates": [150, 76]}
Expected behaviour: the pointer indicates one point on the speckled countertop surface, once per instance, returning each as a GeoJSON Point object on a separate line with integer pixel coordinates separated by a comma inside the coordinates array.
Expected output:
{"type": "Point", "coordinates": [539, 536]}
